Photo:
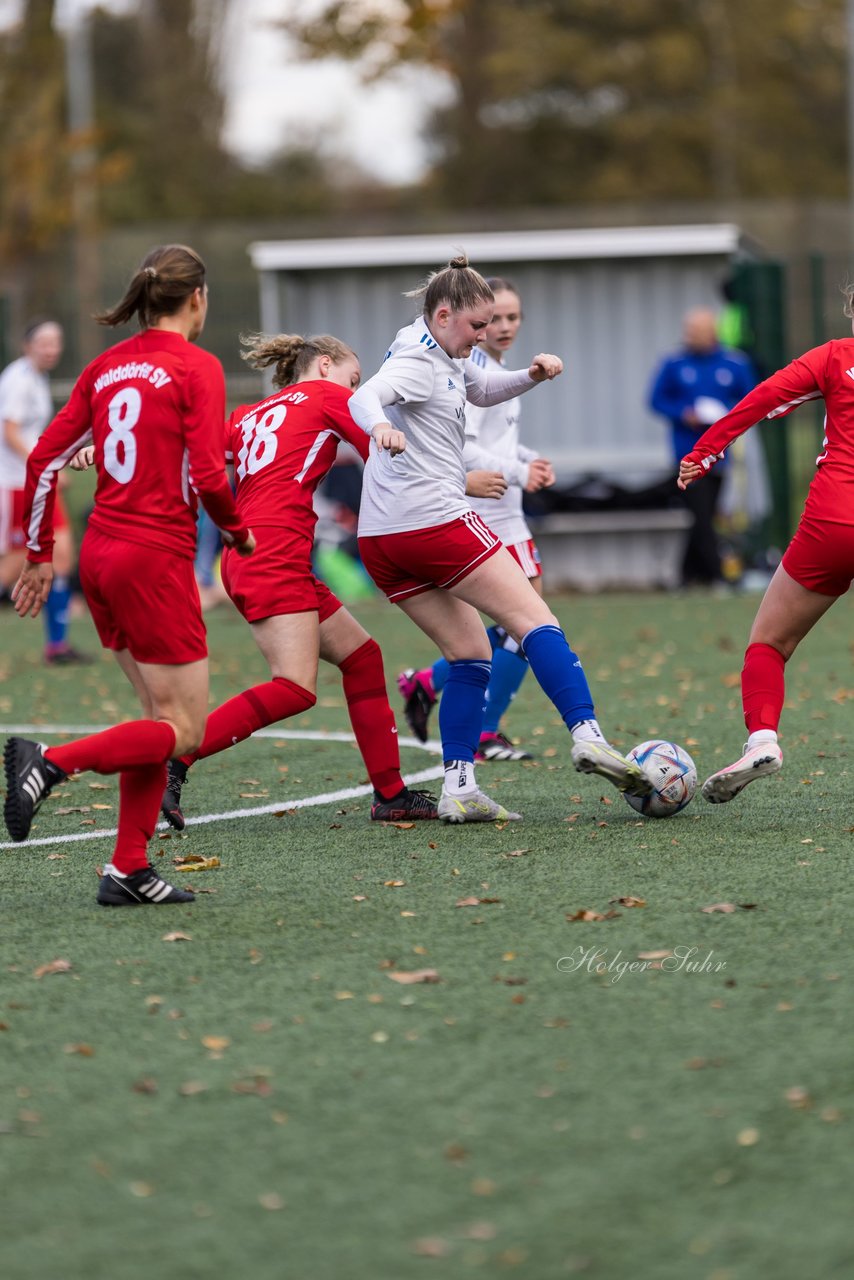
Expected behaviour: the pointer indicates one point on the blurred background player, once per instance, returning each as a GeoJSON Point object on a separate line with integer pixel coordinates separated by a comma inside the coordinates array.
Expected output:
{"type": "Point", "coordinates": [152, 407]}
{"type": "Point", "coordinates": [692, 389]}
{"type": "Point", "coordinates": [26, 407]}
{"type": "Point", "coordinates": [436, 559]}
{"type": "Point", "coordinates": [281, 449]}
{"type": "Point", "coordinates": [492, 441]}
{"type": "Point", "coordinates": [818, 565]}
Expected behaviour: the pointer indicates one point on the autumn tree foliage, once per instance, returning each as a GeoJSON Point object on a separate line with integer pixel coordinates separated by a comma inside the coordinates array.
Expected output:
{"type": "Point", "coordinates": [562, 101]}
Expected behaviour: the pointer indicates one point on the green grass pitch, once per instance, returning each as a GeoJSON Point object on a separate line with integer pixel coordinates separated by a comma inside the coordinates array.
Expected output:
{"type": "Point", "coordinates": [261, 1098]}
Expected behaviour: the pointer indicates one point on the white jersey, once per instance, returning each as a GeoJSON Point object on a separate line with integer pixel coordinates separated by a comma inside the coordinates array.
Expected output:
{"type": "Point", "coordinates": [25, 399]}
{"type": "Point", "coordinates": [422, 392]}
{"type": "Point", "coordinates": [492, 444]}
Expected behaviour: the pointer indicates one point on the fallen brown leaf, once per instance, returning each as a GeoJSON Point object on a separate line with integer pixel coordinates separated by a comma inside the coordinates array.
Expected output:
{"type": "Point", "coordinates": [725, 908]}
{"type": "Point", "coordinates": [84, 1050]}
{"type": "Point", "coordinates": [203, 864]}
{"type": "Point", "coordinates": [654, 955]}
{"type": "Point", "coordinates": [586, 915]}
{"type": "Point", "coordinates": [394, 884]}
{"type": "Point", "coordinates": [468, 902]}
{"type": "Point", "coordinates": [216, 1043]}
{"type": "Point", "coordinates": [431, 1247]}
{"type": "Point", "coordinates": [53, 966]}
{"type": "Point", "coordinates": [177, 936]}
{"type": "Point", "coordinates": [146, 1084]}
{"type": "Point", "coordinates": [629, 901]}
{"type": "Point", "coordinates": [414, 975]}
{"type": "Point", "coordinates": [191, 1087]}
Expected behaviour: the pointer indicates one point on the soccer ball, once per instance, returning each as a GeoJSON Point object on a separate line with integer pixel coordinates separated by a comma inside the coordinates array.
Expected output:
{"type": "Point", "coordinates": [673, 774]}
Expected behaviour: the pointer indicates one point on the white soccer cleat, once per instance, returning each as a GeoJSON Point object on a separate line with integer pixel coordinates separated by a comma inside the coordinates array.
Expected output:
{"type": "Point", "coordinates": [474, 807]}
{"type": "Point", "coordinates": [626, 775]}
{"type": "Point", "coordinates": [757, 762]}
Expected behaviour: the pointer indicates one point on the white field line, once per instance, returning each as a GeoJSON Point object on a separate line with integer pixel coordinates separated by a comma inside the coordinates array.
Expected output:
{"type": "Point", "coordinates": [230, 815]}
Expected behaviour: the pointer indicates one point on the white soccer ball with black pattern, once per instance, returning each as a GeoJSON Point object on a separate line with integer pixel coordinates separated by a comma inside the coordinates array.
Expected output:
{"type": "Point", "coordinates": [673, 774]}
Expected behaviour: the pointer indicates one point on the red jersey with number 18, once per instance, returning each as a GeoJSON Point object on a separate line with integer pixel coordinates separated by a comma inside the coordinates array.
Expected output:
{"type": "Point", "coordinates": [283, 447]}
{"type": "Point", "coordinates": [153, 406]}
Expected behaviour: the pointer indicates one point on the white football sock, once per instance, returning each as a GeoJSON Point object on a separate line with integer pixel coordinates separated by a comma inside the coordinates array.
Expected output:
{"type": "Point", "coordinates": [760, 737]}
{"type": "Point", "coordinates": [459, 778]}
{"type": "Point", "coordinates": [587, 731]}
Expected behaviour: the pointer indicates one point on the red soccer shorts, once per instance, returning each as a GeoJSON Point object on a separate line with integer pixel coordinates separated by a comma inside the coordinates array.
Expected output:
{"type": "Point", "coordinates": [408, 564]}
{"type": "Point", "coordinates": [142, 599]}
{"type": "Point", "coordinates": [13, 536]}
{"type": "Point", "coordinates": [527, 557]}
{"type": "Point", "coordinates": [276, 578]}
{"type": "Point", "coordinates": [821, 556]}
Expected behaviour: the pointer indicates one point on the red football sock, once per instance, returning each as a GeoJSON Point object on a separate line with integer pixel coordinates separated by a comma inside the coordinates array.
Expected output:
{"type": "Point", "coordinates": [140, 793]}
{"type": "Point", "coordinates": [763, 687]}
{"type": "Point", "coordinates": [372, 717]}
{"type": "Point", "coordinates": [253, 709]}
{"type": "Point", "coordinates": [126, 746]}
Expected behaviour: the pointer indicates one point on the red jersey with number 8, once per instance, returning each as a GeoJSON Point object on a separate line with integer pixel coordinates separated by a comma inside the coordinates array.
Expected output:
{"type": "Point", "coordinates": [153, 406]}
{"type": "Point", "coordinates": [283, 447]}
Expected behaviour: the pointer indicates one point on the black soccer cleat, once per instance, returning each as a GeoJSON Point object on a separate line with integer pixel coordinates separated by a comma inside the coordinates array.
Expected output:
{"type": "Point", "coordinates": [139, 889]}
{"type": "Point", "coordinates": [30, 776]}
{"type": "Point", "coordinates": [170, 805]}
{"type": "Point", "coordinates": [405, 806]}
{"type": "Point", "coordinates": [418, 702]}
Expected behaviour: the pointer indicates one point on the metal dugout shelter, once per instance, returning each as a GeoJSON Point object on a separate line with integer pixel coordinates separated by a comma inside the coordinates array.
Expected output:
{"type": "Point", "coordinates": [609, 301]}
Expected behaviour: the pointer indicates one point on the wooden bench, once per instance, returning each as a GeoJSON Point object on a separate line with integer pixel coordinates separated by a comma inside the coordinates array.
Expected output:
{"type": "Point", "coordinates": [608, 550]}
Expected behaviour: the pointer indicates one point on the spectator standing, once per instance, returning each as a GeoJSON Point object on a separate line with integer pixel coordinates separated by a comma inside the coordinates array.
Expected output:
{"type": "Point", "coordinates": [692, 389]}
{"type": "Point", "coordinates": [26, 407]}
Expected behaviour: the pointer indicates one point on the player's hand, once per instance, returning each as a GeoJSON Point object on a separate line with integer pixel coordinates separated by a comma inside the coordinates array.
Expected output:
{"type": "Point", "coordinates": [544, 367]}
{"type": "Point", "coordinates": [694, 465]}
{"type": "Point", "coordinates": [246, 548]}
{"type": "Point", "coordinates": [32, 589]}
{"type": "Point", "coordinates": [83, 459]}
{"type": "Point", "coordinates": [540, 475]}
{"type": "Point", "coordinates": [485, 484]}
{"type": "Point", "coordinates": [386, 436]}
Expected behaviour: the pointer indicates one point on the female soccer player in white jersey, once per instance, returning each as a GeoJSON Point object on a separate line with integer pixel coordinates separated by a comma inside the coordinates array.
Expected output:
{"type": "Point", "coordinates": [818, 565]}
{"type": "Point", "coordinates": [492, 440]}
{"type": "Point", "coordinates": [435, 558]}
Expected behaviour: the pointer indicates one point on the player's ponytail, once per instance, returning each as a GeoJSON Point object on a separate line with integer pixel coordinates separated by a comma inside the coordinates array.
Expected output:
{"type": "Point", "coordinates": [166, 277]}
{"type": "Point", "coordinates": [291, 353]}
{"type": "Point", "coordinates": [458, 285]}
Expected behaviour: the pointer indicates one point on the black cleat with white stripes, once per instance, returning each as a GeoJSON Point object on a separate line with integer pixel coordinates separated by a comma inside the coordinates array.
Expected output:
{"type": "Point", "coordinates": [30, 776]}
{"type": "Point", "coordinates": [139, 889]}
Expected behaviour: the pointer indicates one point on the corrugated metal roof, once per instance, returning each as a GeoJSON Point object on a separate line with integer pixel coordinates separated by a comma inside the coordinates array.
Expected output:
{"type": "Point", "coordinates": [720, 239]}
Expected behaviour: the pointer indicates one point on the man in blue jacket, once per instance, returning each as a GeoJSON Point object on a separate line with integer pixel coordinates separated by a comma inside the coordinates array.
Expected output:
{"type": "Point", "coordinates": [692, 389]}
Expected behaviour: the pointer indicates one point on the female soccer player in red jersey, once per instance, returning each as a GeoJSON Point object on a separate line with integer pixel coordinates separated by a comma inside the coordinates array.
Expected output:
{"type": "Point", "coordinates": [818, 565]}
{"type": "Point", "coordinates": [281, 449]}
{"type": "Point", "coordinates": [153, 407]}
{"type": "Point", "coordinates": [436, 559]}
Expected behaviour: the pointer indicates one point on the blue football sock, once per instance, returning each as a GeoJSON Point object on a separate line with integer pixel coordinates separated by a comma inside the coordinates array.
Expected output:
{"type": "Point", "coordinates": [508, 671]}
{"type": "Point", "coordinates": [560, 673]}
{"type": "Point", "coordinates": [441, 669]}
{"type": "Point", "coordinates": [56, 611]}
{"type": "Point", "coordinates": [461, 708]}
